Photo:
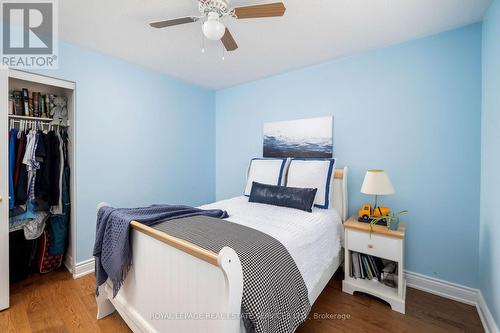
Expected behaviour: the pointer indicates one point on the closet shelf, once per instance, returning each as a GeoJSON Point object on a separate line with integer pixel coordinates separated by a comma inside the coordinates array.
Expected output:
{"type": "Point", "coordinates": [29, 118]}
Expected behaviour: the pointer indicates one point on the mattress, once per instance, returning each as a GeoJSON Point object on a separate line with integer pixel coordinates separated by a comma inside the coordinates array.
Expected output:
{"type": "Point", "coordinates": [312, 239]}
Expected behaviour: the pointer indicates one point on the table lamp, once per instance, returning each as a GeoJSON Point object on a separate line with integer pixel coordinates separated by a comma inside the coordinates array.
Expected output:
{"type": "Point", "coordinates": [377, 183]}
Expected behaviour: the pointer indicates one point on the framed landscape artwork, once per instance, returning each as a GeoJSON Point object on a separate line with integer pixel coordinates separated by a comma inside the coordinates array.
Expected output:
{"type": "Point", "coordinates": [307, 138]}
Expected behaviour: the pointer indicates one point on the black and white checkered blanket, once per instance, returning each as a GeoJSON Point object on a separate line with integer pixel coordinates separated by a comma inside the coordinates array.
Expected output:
{"type": "Point", "coordinates": [275, 298]}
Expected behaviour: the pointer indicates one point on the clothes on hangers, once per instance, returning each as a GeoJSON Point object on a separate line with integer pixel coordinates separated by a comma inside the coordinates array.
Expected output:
{"type": "Point", "coordinates": [54, 161]}
{"type": "Point", "coordinates": [39, 180]}
{"type": "Point", "coordinates": [31, 163]}
{"type": "Point", "coordinates": [21, 145]}
{"type": "Point", "coordinates": [12, 162]}
{"type": "Point", "coordinates": [40, 156]}
{"type": "Point", "coordinates": [21, 175]}
{"type": "Point", "coordinates": [59, 224]}
{"type": "Point", "coordinates": [57, 207]}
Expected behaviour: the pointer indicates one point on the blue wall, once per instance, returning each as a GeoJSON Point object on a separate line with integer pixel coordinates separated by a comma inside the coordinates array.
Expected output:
{"type": "Point", "coordinates": [412, 109]}
{"type": "Point", "coordinates": [141, 137]}
{"type": "Point", "coordinates": [489, 246]}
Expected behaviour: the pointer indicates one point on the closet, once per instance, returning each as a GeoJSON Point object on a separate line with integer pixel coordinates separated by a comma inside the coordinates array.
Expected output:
{"type": "Point", "coordinates": [37, 176]}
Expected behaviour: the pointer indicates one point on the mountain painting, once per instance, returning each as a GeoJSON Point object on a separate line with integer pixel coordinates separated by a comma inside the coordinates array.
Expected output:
{"type": "Point", "coordinates": [304, 138]}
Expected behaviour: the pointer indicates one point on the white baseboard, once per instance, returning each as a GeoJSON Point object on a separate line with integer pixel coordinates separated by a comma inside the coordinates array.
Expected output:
{"type": "Point", "coordinates": [83, 268]}
{"type": "Point", "coordinates": [441, 288]}
{"type": "Point", "coordinates": [454, 292]}
{"type": "Point", "coordinates": [68, 263]}
{"type": "Point", "coordinates": [489, 324]}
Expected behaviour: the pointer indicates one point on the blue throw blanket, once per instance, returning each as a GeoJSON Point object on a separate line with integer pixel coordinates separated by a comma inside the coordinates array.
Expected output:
{"type": "Point", "coordinates": [112, 249]}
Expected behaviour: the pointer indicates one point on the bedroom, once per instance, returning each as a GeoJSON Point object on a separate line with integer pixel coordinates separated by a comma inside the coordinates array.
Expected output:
{"type": "Point", "coordinates": [169, 116]}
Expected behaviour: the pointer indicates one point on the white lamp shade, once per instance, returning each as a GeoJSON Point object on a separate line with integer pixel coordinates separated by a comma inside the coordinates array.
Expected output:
{"type": "Point", "coordinates": [213, 29]}
{"type": "Point", "coordinates": [377, 183]}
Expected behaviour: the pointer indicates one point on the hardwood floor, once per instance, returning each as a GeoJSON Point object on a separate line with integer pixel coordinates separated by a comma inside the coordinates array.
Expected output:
{"type": "Point", "coordinates": [56, 303]}
{"type": "Point", "coordinates": [425, 313]}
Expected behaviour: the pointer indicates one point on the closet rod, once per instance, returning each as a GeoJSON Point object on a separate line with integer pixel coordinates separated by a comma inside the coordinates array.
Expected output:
{"type": "Point", "coordinates": [33, 123]}
{"type": "Point", "coordinates": [13, 116]}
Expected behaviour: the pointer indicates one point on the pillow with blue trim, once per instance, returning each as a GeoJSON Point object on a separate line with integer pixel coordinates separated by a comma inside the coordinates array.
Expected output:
{"type": "Point", "coordinates": [313, 173]}
{"type": "Point", "coordinates": [270, 171]}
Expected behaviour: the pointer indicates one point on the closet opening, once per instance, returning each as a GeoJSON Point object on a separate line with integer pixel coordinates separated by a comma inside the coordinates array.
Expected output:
{"type": "Point", "coordinates": [41, 182]}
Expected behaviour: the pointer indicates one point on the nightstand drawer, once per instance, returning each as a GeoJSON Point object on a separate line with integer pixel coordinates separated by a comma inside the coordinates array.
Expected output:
{"type": "Point", "coordinates": [379, 246]}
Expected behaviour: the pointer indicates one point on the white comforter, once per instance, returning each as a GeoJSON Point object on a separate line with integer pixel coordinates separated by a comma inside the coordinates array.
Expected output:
{"type": "Point", "coordinates": [312, 239]}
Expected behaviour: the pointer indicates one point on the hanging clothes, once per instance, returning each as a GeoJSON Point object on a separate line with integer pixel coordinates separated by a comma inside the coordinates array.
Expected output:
{"type": "Point", "coordinates": [20, 174]}
{"type": "Point", "coordinates": [40, 156]}
{"type": "Point", "coordinates": [12, 162]}
{"type": "Point", "coordinates": [31, 163]}
{"type": "Point", "coordinates": [57, 208]}
{"type": "Point", "coordinates": [59, 224]}
{"type": "Point", "coordinates": [39, 185]}
{"type": "Point", "coordinates": [54, 159]}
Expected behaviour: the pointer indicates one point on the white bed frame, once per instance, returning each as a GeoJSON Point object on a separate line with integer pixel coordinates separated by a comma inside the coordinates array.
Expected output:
{"type": "Point", "coordinates": [175, 286]}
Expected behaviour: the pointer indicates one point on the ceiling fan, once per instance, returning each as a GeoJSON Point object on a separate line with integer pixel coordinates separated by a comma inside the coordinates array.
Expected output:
{"type": "Point", "coordinates": [214, 10]}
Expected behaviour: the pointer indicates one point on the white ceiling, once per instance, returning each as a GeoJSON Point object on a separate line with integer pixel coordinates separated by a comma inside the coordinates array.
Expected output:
{"type": "Point", "coordinates": [312, 31]}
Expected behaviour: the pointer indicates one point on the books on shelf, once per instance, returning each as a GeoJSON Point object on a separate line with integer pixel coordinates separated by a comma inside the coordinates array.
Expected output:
{"type": "Point", "coordinates": [364, 266]}
{"type": "Point", "coordinates": [11, 104]}
{"type": "Point", "coordinates": [41, 102]}
{"type": "Point", "coordinates": [18, 103]}
{"type": "Point", "coordinates": [34, 105]}
{"type": "Point", "coordinates": [47, 99]}
{"type": "Point", "coordinates": [26, 102]}
{"type": "Point", "coordinates": [356, 271]}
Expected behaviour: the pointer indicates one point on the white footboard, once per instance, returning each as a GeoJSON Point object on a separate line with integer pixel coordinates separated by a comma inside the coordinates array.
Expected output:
{"type": "Point", "coordinates": [175, 286]}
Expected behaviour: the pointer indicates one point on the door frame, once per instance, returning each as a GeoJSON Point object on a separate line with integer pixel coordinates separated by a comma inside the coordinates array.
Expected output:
{"type": "Point", "coordinates": [4, 188]}
{"type": "Point", "coordinates": [70, 260]}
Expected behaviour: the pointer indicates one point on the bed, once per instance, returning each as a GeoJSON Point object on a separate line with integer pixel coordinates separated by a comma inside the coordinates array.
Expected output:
{"type": "Point", "coordinates": [204, 291]}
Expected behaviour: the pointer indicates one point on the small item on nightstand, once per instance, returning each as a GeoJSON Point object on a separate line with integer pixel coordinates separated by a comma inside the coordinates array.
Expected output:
{"type": "Point", "coordinates": [377, 183]}
{"type": "Point", "coordinates": [389, 266]}
{"type": "Point", "coordinates": [391, 220]}
{"type": "Point", "coordinates": [367, 213]}
{"type": "Point", "coordinates": [390, 279]}
{"type": "Point", "coordinates": [390, 274]}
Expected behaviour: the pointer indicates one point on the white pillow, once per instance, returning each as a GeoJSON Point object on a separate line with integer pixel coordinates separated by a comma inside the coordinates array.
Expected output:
{"type": "Point", "coordinates": [313, 173]}
{"type": "Point", "coordinates": [266, 171]}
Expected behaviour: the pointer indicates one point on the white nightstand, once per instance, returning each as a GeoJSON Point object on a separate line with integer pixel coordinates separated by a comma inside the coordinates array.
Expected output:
{"type": "Point", "coordinates": [383, 243]}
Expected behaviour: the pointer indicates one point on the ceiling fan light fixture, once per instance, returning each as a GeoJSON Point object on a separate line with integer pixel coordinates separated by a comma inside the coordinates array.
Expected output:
{"type": "Point", "coordinates": [213, 28]}
{"type": "Point", "coordinates": [214, 10]}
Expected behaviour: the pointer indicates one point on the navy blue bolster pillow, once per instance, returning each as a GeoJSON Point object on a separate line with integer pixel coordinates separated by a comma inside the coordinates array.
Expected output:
{"type": "Point", "coordinates": [291, 197]}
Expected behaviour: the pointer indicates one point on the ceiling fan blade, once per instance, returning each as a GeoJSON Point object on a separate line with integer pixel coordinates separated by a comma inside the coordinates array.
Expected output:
{"type": "Point", "coordinates": [228, 41]}
{"type": "Point", "coordinates": [267, 10]}
{"type": "Point", "coordinates": [177, 21]}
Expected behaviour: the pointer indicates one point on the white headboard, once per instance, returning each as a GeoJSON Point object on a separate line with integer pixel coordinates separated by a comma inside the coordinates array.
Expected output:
{"type": "Point", "coordinates": [339, 200]}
